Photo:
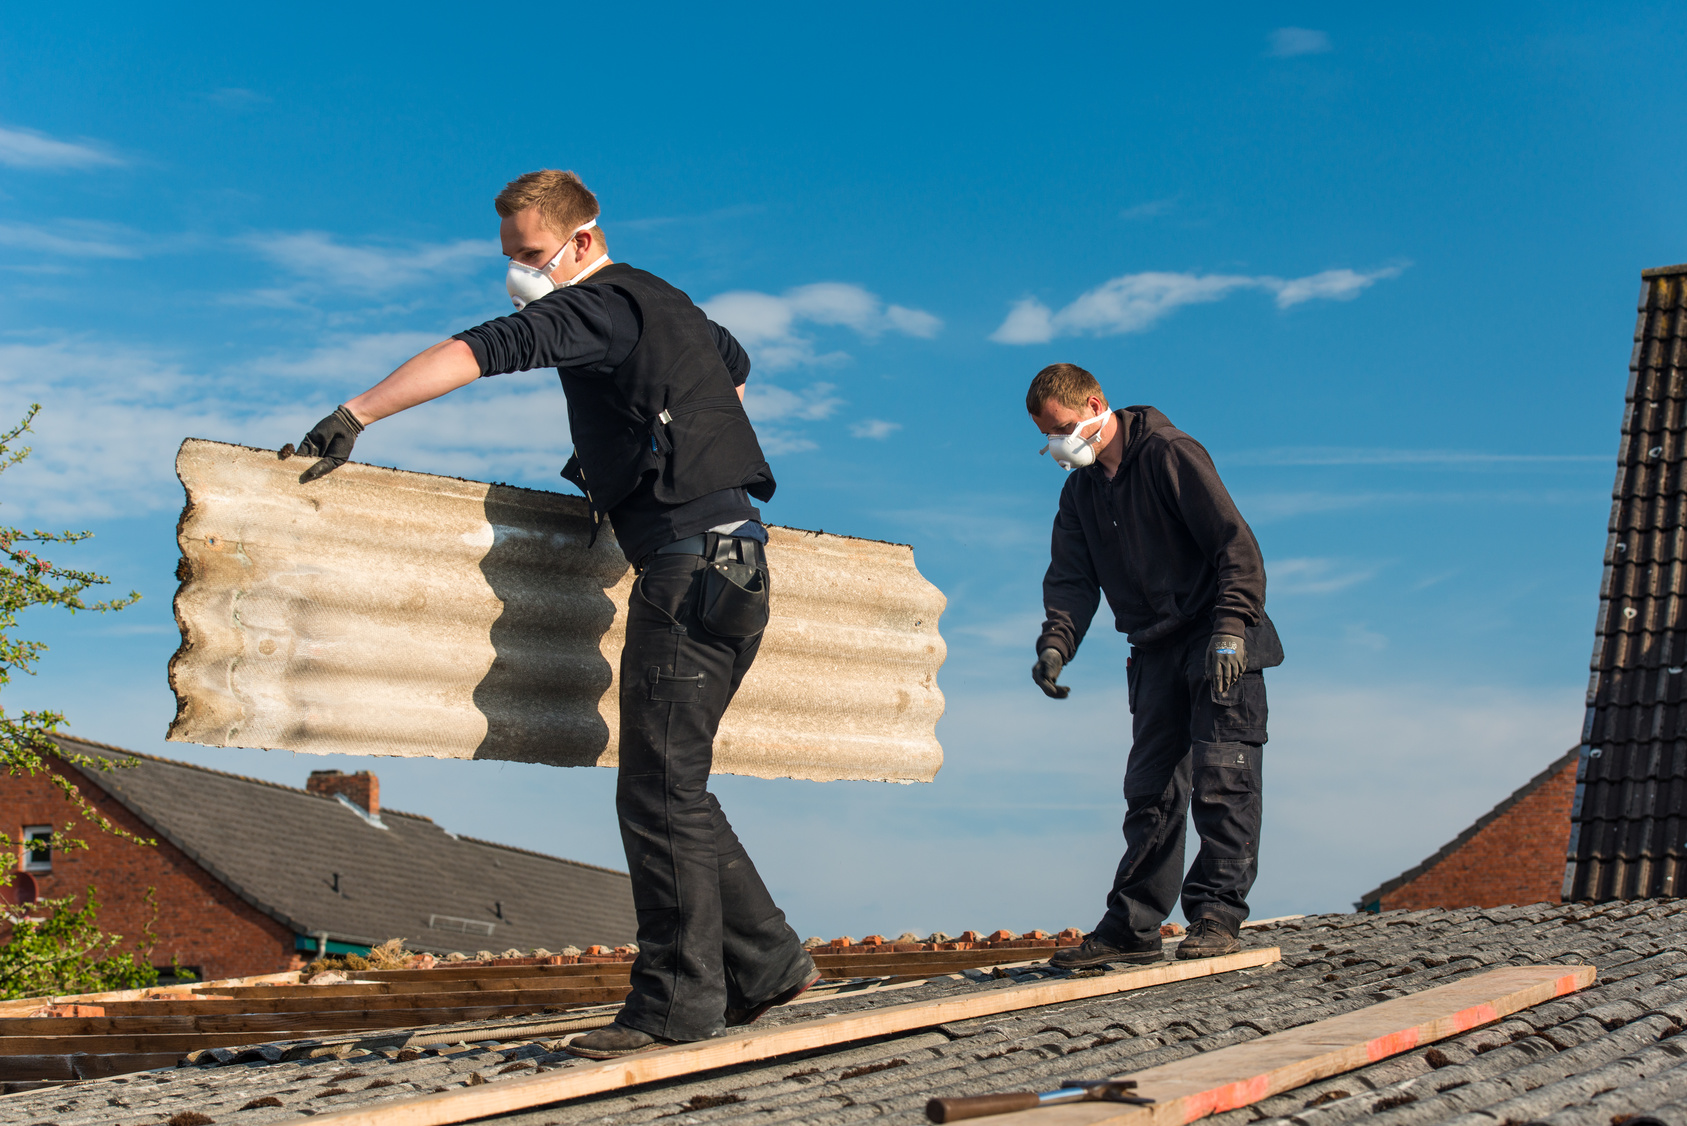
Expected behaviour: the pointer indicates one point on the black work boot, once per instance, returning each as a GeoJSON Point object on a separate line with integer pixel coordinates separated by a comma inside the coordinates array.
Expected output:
{"type": "Point", "coordinates": [737, 1017]}
{"type": "Point", "coordinates": [1208, 938]}
{"type": "Point", "coordinates": [614, 1041]}
{"type": "Point", "coordinates": [1097, 952]}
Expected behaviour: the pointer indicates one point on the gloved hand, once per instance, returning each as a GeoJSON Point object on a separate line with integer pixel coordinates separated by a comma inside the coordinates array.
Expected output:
{"type": "Point", "coordinates": [330, 440]}
{"type": "Point", "coordinates": [1046, 671]}
{"type": "Point", "coordinates": [1227, 660]}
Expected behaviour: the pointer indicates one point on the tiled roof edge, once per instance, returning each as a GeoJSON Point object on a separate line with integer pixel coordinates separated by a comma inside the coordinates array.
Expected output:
{"type": "Point", "coordinates": [1664, 271]}
{"type": "Point", "coordinates": [224, 773]}
{"type": "Point", "coordinates": [1481, 823]}
{"type": "Point", "coordinates": [541, 855]}
{"type": "Point", "coordinates": [97, 778]}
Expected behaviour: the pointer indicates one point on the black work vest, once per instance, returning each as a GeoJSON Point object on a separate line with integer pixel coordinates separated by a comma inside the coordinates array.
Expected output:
{"type": "Point", "coordinates": [670, 409]}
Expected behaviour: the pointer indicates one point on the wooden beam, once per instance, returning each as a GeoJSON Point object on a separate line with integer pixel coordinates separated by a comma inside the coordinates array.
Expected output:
{"type": "Point", "coordinates": [424, 985]}
{"type": "Point", "coordinates": [24, 1005]}
{"type": "Point", "coordinates": [1242, 1074]}
{"type": "Point", "coordinates": [510, 1095]}
{"type": "Point", "coordinates": [595, 995]}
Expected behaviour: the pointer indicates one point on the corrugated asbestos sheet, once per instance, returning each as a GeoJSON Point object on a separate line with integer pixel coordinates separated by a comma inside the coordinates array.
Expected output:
{"type": "Point", "coordinates": [381, 612]}
{"type": "Point", "coordinates": [1628, 834]}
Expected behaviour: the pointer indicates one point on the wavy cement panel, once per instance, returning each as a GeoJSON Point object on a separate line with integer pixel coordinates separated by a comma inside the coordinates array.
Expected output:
{"type": "Point", "coordinates": [381, 612]}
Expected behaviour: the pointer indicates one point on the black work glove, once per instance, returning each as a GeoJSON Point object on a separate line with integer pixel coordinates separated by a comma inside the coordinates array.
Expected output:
{"type": "Point", "coordinates": [1046, 671]}
{"type": "Point", "coordinates": [1227, 660]}
{"type": "Point", "coordinates": [330, 440]}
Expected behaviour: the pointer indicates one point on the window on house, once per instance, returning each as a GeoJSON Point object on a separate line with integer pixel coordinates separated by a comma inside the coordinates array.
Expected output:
{"type": "Point", "coordinates": [37, 848]}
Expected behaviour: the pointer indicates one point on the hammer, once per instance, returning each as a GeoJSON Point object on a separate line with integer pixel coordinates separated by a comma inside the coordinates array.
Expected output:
{"type": "Point", "coordinates": [1071, 1091]}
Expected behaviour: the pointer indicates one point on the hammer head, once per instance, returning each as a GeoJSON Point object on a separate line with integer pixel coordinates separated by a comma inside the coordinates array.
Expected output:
{"type": "Point", "coordinates": [1107, 1090]}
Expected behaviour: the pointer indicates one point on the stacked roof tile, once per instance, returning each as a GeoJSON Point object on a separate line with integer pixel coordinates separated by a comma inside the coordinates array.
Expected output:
{"type": "Point", "coordinates": [1629, 837]}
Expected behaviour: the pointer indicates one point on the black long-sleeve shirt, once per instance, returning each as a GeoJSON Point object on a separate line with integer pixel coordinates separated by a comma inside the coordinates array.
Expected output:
{"type": "Point", "coordinates": [590, 330]}
{"type": "Point", "coordinates": [1162, 539]}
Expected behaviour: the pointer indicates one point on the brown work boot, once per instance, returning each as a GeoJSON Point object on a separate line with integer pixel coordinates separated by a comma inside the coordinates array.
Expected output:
{"type": "Point", "coordinates": [1208, 938]}
{"type": "Point", "coordinates": [1097, 952]}
{"type": "Point", "coordinates": [737, 1017]}
{"type": "Point", "coordinates": [614, 1041]}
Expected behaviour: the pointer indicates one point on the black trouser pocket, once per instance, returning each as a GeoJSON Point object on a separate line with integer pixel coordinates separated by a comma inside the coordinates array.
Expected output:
{"type": "Point", "coordinates": [1130, 684]}
{"type": "Point", "coordinates": [735, 602]}
{"type": "Point", "coordinates": [675, 689]}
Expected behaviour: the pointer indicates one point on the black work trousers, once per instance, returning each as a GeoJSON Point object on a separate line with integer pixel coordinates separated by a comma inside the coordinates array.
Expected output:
{"type": "Point", "coordinates": [709, 934]}
{"type": "Point", "coordinates": [1186, 744]}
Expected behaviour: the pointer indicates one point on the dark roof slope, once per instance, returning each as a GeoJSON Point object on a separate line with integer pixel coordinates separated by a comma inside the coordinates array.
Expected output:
{"type": "Point", "coordinates": [1587, 1059]}
{"type": "Point", "coordinates": [1628, 836]}
{"type": "Point", "coordinates": [1367, 901]}
{"type": "Point", "coordinates": [399, 875]}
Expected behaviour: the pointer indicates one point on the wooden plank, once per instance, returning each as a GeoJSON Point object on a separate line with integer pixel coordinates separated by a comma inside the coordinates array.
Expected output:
{"type": "Point", "coordinates": [442, 985]}
{"type": "Point", "coordinates": [470, 970]}
{"type": "Point", "coordinates": [1237, 1076]}
{"type": "Point", "coordinates": [596, 995]}
{"type": "Point", "coordinates": [748, 1046]}
{"type": "Point", "coordinates": [259, 1023]}
{"type": "Point", "coordinates": [387, 1016]}
{"type": "Point", "coordinates": [24, 1005]}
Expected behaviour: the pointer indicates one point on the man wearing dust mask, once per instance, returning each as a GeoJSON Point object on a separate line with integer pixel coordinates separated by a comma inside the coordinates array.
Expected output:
{"type": "Point", "coordinates": [664, 451]}
{"type": "Point", "coordinates": [1145, 520]}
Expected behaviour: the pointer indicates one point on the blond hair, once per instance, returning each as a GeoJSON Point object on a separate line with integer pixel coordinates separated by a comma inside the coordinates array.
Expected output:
{"type": "Point", "coordinates": [1067, 384]}
{"type": "Point", "coordinates": [564, 202]}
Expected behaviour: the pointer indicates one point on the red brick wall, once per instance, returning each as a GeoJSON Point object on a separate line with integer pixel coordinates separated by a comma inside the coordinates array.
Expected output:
{"type": "Point", "coordinates": [1517, 858]}
{"type": "Point", "coordinates": [200, 921]}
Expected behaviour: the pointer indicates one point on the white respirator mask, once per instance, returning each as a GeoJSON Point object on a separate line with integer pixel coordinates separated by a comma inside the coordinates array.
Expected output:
{"type": "Point", "coordinates": [529, 283]}
{"type": "Point", "coordinates": [1070, 450]}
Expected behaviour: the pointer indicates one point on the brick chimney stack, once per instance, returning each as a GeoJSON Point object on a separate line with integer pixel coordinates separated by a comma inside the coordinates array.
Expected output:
{"type": "Point", "coordinates": [363, 787]}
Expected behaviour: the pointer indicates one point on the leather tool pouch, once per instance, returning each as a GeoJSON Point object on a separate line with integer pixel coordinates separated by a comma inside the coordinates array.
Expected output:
{"type": "Point", "coordinates": [735, 594]}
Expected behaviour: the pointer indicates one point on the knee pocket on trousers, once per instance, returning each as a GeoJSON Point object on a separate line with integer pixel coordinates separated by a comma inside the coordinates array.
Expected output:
{"type": "Point", "coordinates": [1228, 768]}
{"type": "Point", "coordinates": [665, 688]}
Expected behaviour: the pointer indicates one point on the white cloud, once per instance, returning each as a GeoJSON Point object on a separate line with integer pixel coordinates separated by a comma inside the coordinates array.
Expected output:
{"type": "Point", "coordinates": [1287, 42]}
{"type": "Point", "coordinates": [27, 148]}
{"type": "Point", "coordinates": [1135, 302]}
{"type": "Point", "coordinates": [73, 239]}
{"type": "Point", "coordinates": [353, 360]}
{"type": "Point", "coordinates": [765, 402]}
{"type": "Point", "coordinates": [768, 326]}
{"type": "Point", "coordinates": [1331, 285]}
{"type": "Point", "coordinates": [1152, 209]}
{"type": "Point", "coordinates": [114, 415]}
{"type": "Point", "coordinates": [316, 257]}
{"type": "Point", "coordinates": [874, 428]}
{"type": "Point", "coordinates": [1315, 576]}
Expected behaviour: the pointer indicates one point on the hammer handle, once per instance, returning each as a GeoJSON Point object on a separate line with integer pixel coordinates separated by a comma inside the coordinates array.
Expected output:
{"type": "Point", "coordinates": [977, 1106]}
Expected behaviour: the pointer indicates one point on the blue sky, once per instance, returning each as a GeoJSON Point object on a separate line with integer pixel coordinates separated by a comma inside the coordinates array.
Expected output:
{"type": "Point", "coordinates": [1382, 264]}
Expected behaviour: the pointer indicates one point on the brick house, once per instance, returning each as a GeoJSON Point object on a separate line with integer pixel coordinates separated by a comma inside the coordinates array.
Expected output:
{"type": "Point", "coordinates": [1513, 854]}
{"type": "Point", "coordinates": [252, 877]}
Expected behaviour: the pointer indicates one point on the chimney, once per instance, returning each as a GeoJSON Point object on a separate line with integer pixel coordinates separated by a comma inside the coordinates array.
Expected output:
{"type": "Point", "coordinates": [363, 788]}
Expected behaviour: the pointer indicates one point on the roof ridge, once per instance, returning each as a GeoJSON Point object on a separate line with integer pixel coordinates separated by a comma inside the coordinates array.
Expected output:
{"type": "Point", "coordinates": [540, 855]}
{"type": "Point", "coordinates": [224, 773]}
{"type": "Point", "coordinates": [1477, 826]}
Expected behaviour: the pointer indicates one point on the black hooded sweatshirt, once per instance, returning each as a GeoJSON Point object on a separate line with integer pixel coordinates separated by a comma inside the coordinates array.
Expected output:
{"type": "Point", "coordinates": [1162, 540]}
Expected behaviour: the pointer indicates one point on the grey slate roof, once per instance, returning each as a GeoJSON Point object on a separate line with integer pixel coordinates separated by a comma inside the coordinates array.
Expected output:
{"type": "Point", "coordinates": [279, 848]}
{"type": "Point", "coordinates": [1368, 901]}
{"type": "Point", "coordinates": [1588, 1059]}
{"type": "Point", "coordinates": [1629, 825]}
